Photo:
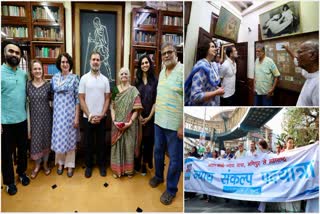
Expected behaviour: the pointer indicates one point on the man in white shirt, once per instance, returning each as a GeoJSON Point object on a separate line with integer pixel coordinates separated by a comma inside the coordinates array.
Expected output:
{"type": "Point", "coordinates": [241, 152]}
{"type": "Point", "coordinates": [94, 95]}
{"type": "Point", "coordinates": [228, 75]}
{"type": "Point", "coordinates": [307, 58]}
{"type": "Point", "coordinates": [253, 151]}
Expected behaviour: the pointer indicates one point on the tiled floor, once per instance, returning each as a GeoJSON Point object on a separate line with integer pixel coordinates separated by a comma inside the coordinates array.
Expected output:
{"type": "Point", "coordinates": [89, 195]}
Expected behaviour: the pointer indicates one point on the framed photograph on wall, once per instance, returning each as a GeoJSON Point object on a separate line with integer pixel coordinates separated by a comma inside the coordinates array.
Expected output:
{"type": "Point", "coordinates": [228, 25]}
{"type": "Point", "coordinates": [98, 27]}
{"type": "Point", "coordinates": [281, 21]}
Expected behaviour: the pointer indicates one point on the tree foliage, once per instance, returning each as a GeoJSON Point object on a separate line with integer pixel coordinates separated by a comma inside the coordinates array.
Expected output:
{"type": "Point", "coordinates": [302, 124]}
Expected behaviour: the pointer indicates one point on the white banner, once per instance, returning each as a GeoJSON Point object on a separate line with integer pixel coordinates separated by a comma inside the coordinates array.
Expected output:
{"type": "Point", "coordinates": [290, 176]}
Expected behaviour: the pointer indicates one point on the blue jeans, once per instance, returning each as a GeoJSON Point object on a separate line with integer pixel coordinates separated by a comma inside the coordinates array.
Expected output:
{"type": "Point", "coordinates": [262, 100]}
{"type": "Point", "coordinates": [168, 139]}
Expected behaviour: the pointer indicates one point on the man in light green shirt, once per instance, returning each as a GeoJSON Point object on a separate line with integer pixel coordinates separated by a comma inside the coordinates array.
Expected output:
{"type": "Point", "coordinates": [168, 123]}
{"type": "Point", "coordinates": [266, 77]}
{"type": "Point", "coordinates": [13, 118]}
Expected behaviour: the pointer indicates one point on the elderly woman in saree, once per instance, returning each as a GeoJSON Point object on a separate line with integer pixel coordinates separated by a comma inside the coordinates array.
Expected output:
{"type": "Point", "coordinates": [125, 108]}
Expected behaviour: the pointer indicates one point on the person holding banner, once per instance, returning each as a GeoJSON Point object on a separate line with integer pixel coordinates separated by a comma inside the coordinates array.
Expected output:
{"type": "Point", "coordinates": [228, 154]}
{"type": "Point", "coordinates": [253, 151]}
{"type": "Point", "coordinates": [294, 206]}
{"type": "Point", "coordinates": [263, 146]}
{"type": "Point", "coordinates": [241, 152]}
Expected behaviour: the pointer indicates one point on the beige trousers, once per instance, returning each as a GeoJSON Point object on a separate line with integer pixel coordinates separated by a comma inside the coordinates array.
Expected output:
{"type": "Point", "coordinates": [67, 159]}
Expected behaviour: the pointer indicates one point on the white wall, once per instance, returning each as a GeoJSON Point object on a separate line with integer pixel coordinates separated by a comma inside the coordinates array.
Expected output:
{"type": "Point", "coordinates": [127, 31]}
{"type": "Point", "coordinates": [200, 16]}
{"type": "Point", "coordinates": [309, 15]}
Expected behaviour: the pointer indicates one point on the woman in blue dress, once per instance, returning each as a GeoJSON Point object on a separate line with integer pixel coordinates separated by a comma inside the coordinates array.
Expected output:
{"type": "Point", "coordinates": [202, 85]}
{"type": "Point", "coordinates": [65, 87]}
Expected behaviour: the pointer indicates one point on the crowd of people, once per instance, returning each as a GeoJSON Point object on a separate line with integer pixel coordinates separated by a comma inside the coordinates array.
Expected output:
{"type": "Point", "coordinates": [255, 149]}
{"type": "Point", "coordinates": [140, 115]}
{"type": "Point", "coordinates": [213, 83]}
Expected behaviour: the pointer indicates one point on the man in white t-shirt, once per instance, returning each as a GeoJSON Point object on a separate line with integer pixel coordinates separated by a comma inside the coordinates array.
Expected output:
{"type": "Point", "coordinates": [94, 95]}
{"type": "Point", "coordinates": [228, 75]}
{"type": "Point", "coordinates": [253, 151]}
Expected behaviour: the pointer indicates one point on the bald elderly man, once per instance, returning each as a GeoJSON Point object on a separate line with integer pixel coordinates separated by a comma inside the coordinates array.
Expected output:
{"type": "Point", "coordinates": [307, 58]}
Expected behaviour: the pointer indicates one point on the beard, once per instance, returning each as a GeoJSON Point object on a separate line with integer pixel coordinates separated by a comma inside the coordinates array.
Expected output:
{"type": "Point", "coordinates": [171, 62]}
{"type": "Point", "coordinates": [95, 69]}
{"type": "Point", "coordinates": [12, 60]}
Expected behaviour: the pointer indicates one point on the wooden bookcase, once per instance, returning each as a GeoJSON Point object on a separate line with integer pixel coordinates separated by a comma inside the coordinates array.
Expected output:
{"type": "Point", "coordinates": [144, 37]}
{"type": "Point", "coordinates": [44, 26]}
{"type": "Point", "coordinates": [171, 30]}
{"type": "Point", "coordinates": [15, 19]}
{"type": "Point", "coordinates": [149, 29]}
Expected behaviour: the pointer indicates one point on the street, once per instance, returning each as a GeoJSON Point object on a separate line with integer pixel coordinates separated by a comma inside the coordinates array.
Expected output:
{"type": "Point", "coordinates": [218, 205]}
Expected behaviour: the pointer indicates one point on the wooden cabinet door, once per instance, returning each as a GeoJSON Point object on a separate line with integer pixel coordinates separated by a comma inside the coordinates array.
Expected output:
{"type": "Point", "coordinates": [244, 87]}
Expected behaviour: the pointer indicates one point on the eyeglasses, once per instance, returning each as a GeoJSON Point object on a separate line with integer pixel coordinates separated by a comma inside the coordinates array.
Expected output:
{"type": "Point", "coordinates": [167, 52]}
{"type": "Point", "coordinates": [299, 52]}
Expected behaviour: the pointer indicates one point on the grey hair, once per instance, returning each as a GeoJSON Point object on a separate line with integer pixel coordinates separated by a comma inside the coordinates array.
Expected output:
{"type": "Point", "coordinates": [261, 46]}
{"type": "Point", "coordinates": [313, 45]}
{"type": "Point", "coordinates": [168, 44]}
{"type": "Point", "coordinates": [124, 69]}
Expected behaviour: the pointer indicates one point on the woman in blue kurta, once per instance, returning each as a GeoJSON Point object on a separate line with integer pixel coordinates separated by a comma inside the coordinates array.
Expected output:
{"type": "Point", "coordinates": [65, 114]}
{"type": "Point", "coordinates": [202, 85]}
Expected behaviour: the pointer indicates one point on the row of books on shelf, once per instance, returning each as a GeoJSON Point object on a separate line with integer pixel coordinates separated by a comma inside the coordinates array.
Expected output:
{"type": "Point", "coordinates": [45, 52]}
{"type": "Point", "coordinates": [13, 11]}
{"type": "Point", "coordinates": [172, 20]}
{"type": "Point", "coordinates": [144, 37]}
{"type": "Point", "coordinates": [43, 13]}
{"type": "Point", "coordinates": [14, 32]}
{"type": "Point", "coordinates": [145, 19]}
{"type": "Point", "coordinates": [138, 55]}
{"type": "Point", "coordinates": [173, 38]}
{"type": "Point", "coordinates": [52, 33]}
{"type": "Point", "coordinates": [50, 69]}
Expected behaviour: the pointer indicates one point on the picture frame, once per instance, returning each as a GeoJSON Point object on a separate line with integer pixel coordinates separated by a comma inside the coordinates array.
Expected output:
{"type": "Point", "coordinates": [98, 27]}
{"type": "Point", "coordinates": [228, 25]}
{"type": "Point", "coordinates": [281, 21]}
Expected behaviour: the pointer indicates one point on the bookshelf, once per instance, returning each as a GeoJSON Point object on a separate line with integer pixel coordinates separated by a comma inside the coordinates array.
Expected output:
{"type": "Point", "coordinates": [150, 28]}
{"type": "Point", "coordinates": [48, 39]}
{"type": "Point", "coordinates": [39, 24]}
{"type": "Point", "coordinates": [171, 30]}
{"type": "Point", "coordinates": [144, 37]}
{"type": "Point", "coordinates": [15, 18]}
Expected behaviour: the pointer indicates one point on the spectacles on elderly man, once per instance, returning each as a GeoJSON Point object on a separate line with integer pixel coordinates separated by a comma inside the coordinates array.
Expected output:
{"type": "Point", "coordinates": [169, 52]}
{"type": "Point", "coordinates": [299, 52]}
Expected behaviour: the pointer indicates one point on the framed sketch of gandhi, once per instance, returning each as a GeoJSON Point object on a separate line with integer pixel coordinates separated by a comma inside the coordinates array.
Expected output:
{"type": "Point", "coordinates": [98, 27]}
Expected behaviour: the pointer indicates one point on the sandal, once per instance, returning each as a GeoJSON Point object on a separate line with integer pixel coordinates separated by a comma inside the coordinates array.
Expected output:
{"type": "Point", "coordinates": [47, 171]}
{"type": "Point", "coordinates": [115, 176]}
{"type": "Point", "coordinates": [34, 173]}
{"type": "Point", "coordinates": [166, 198]}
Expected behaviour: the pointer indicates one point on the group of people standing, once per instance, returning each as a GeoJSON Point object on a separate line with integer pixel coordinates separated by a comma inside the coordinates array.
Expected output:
{"type": "Point", "coordinates": [263, 148]}
{"type": "Point", "coordinates": [144, 115]}
{"type": "Point", "coordinates": [213, 84]}
{"type": "Point", "coordinates": [208, 81]}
